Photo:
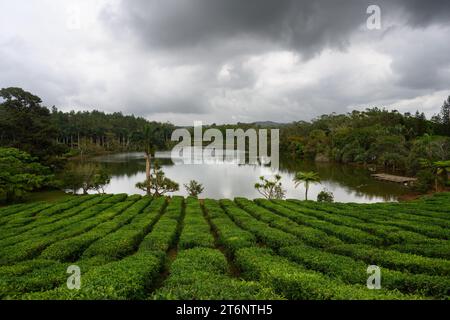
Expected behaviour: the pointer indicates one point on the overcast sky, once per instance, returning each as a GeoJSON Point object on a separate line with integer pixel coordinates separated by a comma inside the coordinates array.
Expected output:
{"type": "Point", "coordinates": [225, 61]}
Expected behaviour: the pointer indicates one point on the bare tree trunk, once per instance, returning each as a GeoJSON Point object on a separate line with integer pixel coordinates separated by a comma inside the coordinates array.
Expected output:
{"type": "Point", "coordinates": [147, 171]}
{"type": "Point", "coordinates": [306, 193]}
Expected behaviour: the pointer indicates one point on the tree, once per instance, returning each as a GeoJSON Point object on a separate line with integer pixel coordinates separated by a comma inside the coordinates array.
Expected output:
{"type": "Point", "coordinates": [270, 189]}
{"type": "Point", "coordinates": [101, 179]}
{"type": "Point", "coordinates": [151, 138]}
{"type": "Point", "coordinates": [194, 188]}
{"type": "Point", "coordinates": [445, 117]}
{"type": "Point", "coordinates": [439, 169]}
{"type": "Point", "coordinates": [20, 173]}
{"type": "Point", "coordinates": [325, 196]}
{"type": "Point", "coordinates": [27, 125]}
{"type": "Point", "coordinates": [157, 184]}
{"type": "Point", "coordinates": [85, 176]}
{"type": "Point", "coordinates": [307, 178]}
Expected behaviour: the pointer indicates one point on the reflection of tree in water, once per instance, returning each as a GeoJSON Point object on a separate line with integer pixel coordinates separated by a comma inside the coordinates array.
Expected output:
{"type": "Point", "coordinates": [355, 180]}
{"type": "Point", "coordinates": [127, 166]}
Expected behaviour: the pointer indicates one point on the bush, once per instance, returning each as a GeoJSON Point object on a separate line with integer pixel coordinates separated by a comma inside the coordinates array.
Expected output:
{"type": "Point", "coordinates": [354, 272]}
{"type": "Point", "coordinates": [295, 282]}
{"type": "Point", "coordinates": [325, 196]}
{"type": "Point", "coordinates": [72, 248]}
{"type": "Point", "coordinates": [193, 188]}
{"type": "Point", "coordinates": [124, 241]}
{"type": "Point", "coordinates": [394, 260]}
{"type": "Point", "coordinates": [196, 230]}
{"type": "Point", "coordinates": [165, 231]}
{"type": "Point", "coordinates": [271, 236]}
{"type": "Point", "coordinates": [230, 235]}
{"type": "Point", "coordinates": [200, 273]}
{"type": "Point", "coordinates": [124, 279]}
{"type": "Point", "coordinates": [425, 180]}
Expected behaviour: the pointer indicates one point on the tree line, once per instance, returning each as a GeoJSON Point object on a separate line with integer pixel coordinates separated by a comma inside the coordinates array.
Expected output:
{"type": "Point", "coordinates": [36, 143]}
{"type": "Point", "coordinates": [51, 133]}
{"type": "Point", "coordinates": [374, 137]}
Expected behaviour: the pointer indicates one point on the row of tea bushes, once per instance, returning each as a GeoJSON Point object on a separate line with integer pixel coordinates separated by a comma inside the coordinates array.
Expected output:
{"type": "Point", "coordinates": [196, 230]}
{"type": "Point", "coordinates": [263, 232]}
{"type": "Point", "coordinates": [307, 234]}
{"type": "Point", "coordinates": [294, 282]}
{"type": "Point", "coordinates": [355, 272]}
{"type": "Point", "coordinates": [202, 273]}
{"type": "Point", "coordinates": [125, 240]}
{"type": "Point", "coordinates": [72, 248]}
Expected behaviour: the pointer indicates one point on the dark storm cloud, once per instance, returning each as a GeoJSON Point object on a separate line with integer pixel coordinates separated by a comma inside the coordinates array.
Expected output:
{"type": "Point", "coordinates": [304, 25]}
{"type": "Point", "coordinates": [422, 13]}
{"type": "Point", "coordinates": [228, 60]}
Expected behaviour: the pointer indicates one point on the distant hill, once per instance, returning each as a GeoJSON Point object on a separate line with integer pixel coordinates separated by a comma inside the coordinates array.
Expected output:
{"type": "Point", "coordinates": [269, 124]}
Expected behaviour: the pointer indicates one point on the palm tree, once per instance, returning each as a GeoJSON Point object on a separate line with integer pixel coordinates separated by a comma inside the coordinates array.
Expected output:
{"type": "Point", "coordinates": [306, 178]}
{"type": "Point", "coordinates": [440, 169]}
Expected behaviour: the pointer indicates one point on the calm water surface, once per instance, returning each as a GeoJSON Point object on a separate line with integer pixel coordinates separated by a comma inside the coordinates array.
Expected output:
{"type": "Point", "coordinates": [348, 183]}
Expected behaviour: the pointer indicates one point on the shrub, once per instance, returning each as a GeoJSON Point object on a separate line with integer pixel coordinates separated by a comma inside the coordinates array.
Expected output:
{"type": "Point", "coordinates": [196, 230]}
{"type": "Point", "coordinates": [354, 272]}
{"type": "Point", "coordinates": [395, 260]}
{"type": "Point", "coordinates": [271, 236]}
{"type": "Point", "coordinates": [295, 282]}
{"type": "Point", "coordinates": [230, 235]}
{"type": "Point", "coordinates": [71, 249]}
{"type": "Point", "coordinates": [325, 196]}
{"type": "Point", "coordinates": [124, 279]}
{"type": "Point", "coordinates": [165, 231]}
{"type": "Point", "coordinates": [126, 240]}
{"type": "Point", "coordinates": [193, 188]}
{"type": "Point", "coordinates": [200, 273]}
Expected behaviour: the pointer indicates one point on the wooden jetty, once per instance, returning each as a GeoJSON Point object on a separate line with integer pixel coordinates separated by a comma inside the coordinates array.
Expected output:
{"type": "Point", "coordinates": [393, 178]}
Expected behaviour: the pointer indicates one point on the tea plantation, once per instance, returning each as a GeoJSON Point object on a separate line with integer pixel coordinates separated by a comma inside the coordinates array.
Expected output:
{"type": "Point", "coordinates": [133, 247]}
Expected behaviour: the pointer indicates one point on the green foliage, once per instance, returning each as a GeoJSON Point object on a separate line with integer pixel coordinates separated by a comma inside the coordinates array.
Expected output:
{"type": "Point", "coordinates": [158, 184]}
{"type": "Point", "coordinates": [164, 233]}
{"type": "Point", "coordinates": [27, 125]}
{"type": "Point", "coordinates": [95, 131]}
{"type": "Point", "coordinates": [124, 279]}
{"type": "Point", "coordinates": [307, 178]}
{"type": "Point", "coordinates": [353, 271]}
{"type": "Point", "coordinates": [295, 282]}
{"type": "Point", "coordinates": [303, 216]}
{"type": "Point", "coordinates": [85, 176]}
{"type": "Point", "coordinates": [271, 189]}
{"type": "Point", "coordinates": [425, 180]}
{"type": "Point", "coordinates": [439, 169]}
{"type": "Point", "coordinates": [200, 273]}
{"type": "Point", "coordinates": [269, 249]}
{"type": "Point", "coordinates": [263, 232]}
{"type": "Point", "coordinates": [71, 249]}
{"type": "Point", "coordinates": [194, 188]}
{"type": "Point", "coordinates": [125, 240]}
{"type": "Point", "coordinates": [268, 213]}
{"type": "Point", "coordinates": [196, 231]}
{"type": "Point", "coordinates": [20, 173]}
{"type": "Point", "coordinates": [380, 137]}
{"type": "Point", "coordinates": [230, 235]}
{"type": "Point", "coordinates": [395, 260]}
{"type": "Point", "coordinates": [325, 196]}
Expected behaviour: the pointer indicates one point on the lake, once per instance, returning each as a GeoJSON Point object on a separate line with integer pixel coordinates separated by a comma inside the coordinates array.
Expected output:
{"type": "Point", "coordinates": [229, 180]}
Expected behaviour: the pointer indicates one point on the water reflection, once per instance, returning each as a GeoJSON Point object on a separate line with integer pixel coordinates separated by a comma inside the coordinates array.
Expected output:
{"type": "Point", "coordinates": [228, 179]}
